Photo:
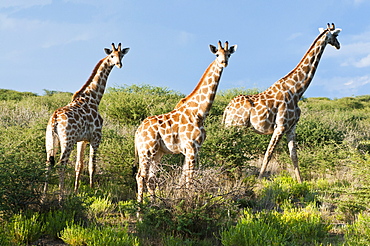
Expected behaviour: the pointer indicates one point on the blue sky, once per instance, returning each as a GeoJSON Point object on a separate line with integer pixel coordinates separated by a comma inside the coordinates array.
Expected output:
{"type": "Point", "coordinates": [55, 45]}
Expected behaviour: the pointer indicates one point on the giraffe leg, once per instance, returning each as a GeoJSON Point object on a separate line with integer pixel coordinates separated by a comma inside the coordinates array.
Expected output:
{"type": "Point", "coordinates": [66, 149]}
{"type": "Point", "coordinates": [276, 136]}
{"type": "Point", "coordinates": [292, 145]}
{"type": "Point", "coordinates": [51, 144]}
{"type": "Point", "coordinates": [151, 182]}
{"type": "Point", "coordinates": [141, 178]}
{"type": "Point", "coordinates": [92, 162]}
{"type": "Point", "coordinates": [188, 168]}
{"type": "Point", "coordinates": [81, 146]}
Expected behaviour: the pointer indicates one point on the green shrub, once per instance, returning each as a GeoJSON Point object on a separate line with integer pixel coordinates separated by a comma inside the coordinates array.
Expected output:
{"type": "Point", "coordinates": [99, 208]}
{"type": "Point", "coordinates": [293, 227]}
{"type": "Point", "coordinates": [21, 168]}
{"type": "Point", "coordinates": [76, 235]}
{"type": "Point", "coordinates": [314, 133]}
{"type": "Point", "coordinates": [230, 147]}
{"type": "Point", "coordinates": [116, 161]}
{"type": "Point", "coordinates": [359, 232]}
{"type": "Point", "coordinates": [25, 229]}
{"type": "Point", "coordinates": [56, 221]}
{"type": "Point", "coordinates": [14, 95]}
{"type": "Point", "coordinates": [137, 102]}
{"type": "Point", "coordinates": [285, 191]}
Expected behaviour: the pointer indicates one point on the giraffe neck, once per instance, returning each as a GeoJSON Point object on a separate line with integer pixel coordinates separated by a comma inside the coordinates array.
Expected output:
{"type": "Point", "coordinates": [298, 80]}
{"type": "Point", "coordinates": [200, 100]}
{"type": "Point", "coordinates": [92, 91]}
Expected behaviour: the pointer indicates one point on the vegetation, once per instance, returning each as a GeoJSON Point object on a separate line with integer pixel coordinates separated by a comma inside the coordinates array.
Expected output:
{"type": "Point", "coordinates": [227, 204]}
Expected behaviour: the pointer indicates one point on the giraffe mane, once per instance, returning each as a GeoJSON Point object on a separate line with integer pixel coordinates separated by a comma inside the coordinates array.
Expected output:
{"type": "Point", "coordinates": [302, 60]}
{"type": "Point", "coordinates": [88, 82]}
{"type": "Point", "coordinates": [183, 100]}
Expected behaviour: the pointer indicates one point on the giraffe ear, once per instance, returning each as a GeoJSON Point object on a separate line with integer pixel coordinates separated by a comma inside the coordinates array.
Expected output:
{"type": "Point", "coordinates": [213, 49]}
{"type": "Point", "coordinates": [337, 31]}
{"type": "Point", "coordinates": [233, 49]}
{"type": "Point", "coordinates": [125, 51]}
{"type": "Point", "coordinates": [107, 51]}
{"type": "Point", "coordinates": [321, 30]}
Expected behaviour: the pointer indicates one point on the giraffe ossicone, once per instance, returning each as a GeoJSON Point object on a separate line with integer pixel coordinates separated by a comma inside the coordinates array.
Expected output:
{"type": "Point", "coordinates": [80, 122]}
{"type": "Point", "coordinates": [275, 111]}
{"type": "Point", "coordinates": [181, 130]}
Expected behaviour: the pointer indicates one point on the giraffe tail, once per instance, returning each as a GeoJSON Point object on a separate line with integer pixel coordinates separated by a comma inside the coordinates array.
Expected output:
{"type": "Point", "coordinates": [136, 162]}
{"type": "Point", "coordinates": [51, 141]}
{"type": "Point", "coordinates": [224, 117]}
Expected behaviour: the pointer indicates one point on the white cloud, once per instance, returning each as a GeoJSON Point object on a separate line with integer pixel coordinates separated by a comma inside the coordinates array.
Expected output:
{"type": "Point", "coordinates": [294, 36]}
{"type": "Point", "coordinates": [364, 62]}
{"type": "Point", "coordinates": [354, 51]}
{"type": "Point", "coordinates": [344, 86]}
{"type": "Point", "coordinates": [184, 38]}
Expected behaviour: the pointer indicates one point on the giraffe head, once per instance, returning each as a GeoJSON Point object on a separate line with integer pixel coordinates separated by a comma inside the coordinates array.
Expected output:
{"type": "Point", "coordinates": [223, 54]}
{"type": "Point", "coordinates": [116, 54]}
{"type": "Point", "coordinates": [331, 35]}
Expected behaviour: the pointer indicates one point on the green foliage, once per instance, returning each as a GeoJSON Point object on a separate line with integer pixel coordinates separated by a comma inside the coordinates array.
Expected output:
{"type": "Point", "coordinates": [293, 227]}
{"type": "Point", "coordinates": [117, 159]}
{"type": "Point", "coordinates": [333, 140]}
{"type": "Point", "coordinates": [284, 191]}
{"type": "Point", "coordinates": [99, 208]}
{"type": "Point", "coordinates": [359, 232]}
{"type": "Point", "coordinates": [56, 221]}
{"type": "Point", "coordinates": [77, 235]}
{"type": "Point", "coordinates": [197, 218]}
{"type": "Point", "coordinates": [231, 147]}
{"type": "Point", "coordinates": [7, 95]}
{"type": "Point", "coordinates": [315, 133]}
{"type": "Point", "coordinates": [138, 102]}
{"type": "Point", "coordinates": [24, 229]}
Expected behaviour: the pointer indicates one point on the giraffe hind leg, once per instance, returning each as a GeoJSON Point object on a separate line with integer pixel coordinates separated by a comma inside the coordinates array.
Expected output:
{"type": "Point", "coordinates": [81, 146]}
{"type": "Point", "coordinates": [276, 136]}
{"type": "Point", "coordinates": [292, 145]}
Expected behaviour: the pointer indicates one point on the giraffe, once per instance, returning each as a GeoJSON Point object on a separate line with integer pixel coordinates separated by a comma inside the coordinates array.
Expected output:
{"type": "Point", "coordinates": [80, 122]}
{"type": "Point", "coordinates": [275, 111]}
{"type": "Point", "coordinates": [181, 130]}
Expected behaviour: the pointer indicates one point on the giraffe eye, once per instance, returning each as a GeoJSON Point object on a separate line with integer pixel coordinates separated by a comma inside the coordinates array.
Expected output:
{"type": "Point", "coordinates": [111, 56]}
{"type": "Point", "coordinates": [217, 55]}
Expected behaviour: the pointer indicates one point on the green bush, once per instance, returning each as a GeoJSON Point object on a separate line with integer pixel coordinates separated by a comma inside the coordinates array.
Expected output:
{"type": "Point", "coordinates": [56, 221]}
{"type": "Point", "coordinates": [293, 227]}
{"type": "Point", "coordinates": [14, 95]}
{"type": "Point", "coordinates": [76, 235]}
{"type": "Point", "coordinates": [231, 147]}
{"type": "Point", "coordinates": [25, 229]}
{"type": "Point", "coordinates": [314, 133]}
{"type": "Point", "coordinates": [284, 191]}
{"type": "Point", "coordinates": [359, 232]}
{"type": "Point", "coordinates": [135, 103]}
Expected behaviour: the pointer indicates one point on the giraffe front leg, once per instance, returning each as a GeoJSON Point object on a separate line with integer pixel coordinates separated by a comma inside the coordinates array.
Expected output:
{"type": "Point", "coordinates": [292, 145]}
{"type": "Point", "coordinates": [81, 146]}
{"type": "Point", "coordinates": [188, 168]}
{"type": "Point", "coordinates": [276, 136]}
